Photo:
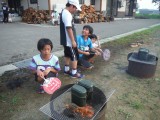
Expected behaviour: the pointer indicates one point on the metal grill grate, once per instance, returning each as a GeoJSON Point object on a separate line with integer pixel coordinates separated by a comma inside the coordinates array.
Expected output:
{"type": "Point", "coordinates": [56, 108]}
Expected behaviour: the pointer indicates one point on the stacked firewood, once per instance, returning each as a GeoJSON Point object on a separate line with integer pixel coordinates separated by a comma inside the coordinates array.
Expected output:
{"type": "Point", "coordinates": [89, 15]}
{"type": "Point", "coordinates": [33, 16]}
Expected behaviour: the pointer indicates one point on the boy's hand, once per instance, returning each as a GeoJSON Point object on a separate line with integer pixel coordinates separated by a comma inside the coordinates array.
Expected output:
{"type": "Point", "coordinates": [47, 71]}
{"type": "Point", "coordinates": [74, 44]}
{"type": "Point", "coordinates": [40, 74]}
{"type": "Point", "coordinates": [87, 53]}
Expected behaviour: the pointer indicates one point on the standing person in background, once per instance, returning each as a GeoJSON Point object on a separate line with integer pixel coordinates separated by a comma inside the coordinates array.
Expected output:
{"type": "Point", "coordinates": [55, 17]}
{"type": "Point", "coordinates": [5, 13]}
{"type": "Point", "coordinates": [68, 38]}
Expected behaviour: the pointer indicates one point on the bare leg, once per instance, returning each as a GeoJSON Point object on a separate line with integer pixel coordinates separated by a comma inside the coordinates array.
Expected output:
{"type": "Point", "coordinates": [91, 60]}
{"type": "Point", "coordinates": [67, 60]}
{"type": "Point", "coordinates": [74, 64]}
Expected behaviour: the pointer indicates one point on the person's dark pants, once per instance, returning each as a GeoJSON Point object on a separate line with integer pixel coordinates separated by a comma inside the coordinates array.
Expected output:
{"type": "Point", "coordinates": [84, 60]}
{"type": "Point", "coordinates": [5, 18]}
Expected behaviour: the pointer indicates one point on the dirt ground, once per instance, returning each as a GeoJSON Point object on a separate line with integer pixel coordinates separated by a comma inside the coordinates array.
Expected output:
{"type": "Point", "coordinates": [134, 98]}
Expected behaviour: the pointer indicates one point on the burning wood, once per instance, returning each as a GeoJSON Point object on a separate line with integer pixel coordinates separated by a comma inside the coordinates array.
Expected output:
{"type": "Point", "coordinates": [86, 111]}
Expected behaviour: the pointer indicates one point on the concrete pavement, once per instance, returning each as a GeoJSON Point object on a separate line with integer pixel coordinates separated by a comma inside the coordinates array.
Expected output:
{"type": "Point", "coordinates": [18, 40]}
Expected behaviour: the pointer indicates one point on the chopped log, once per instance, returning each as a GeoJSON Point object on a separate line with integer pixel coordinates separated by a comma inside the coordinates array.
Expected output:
{"type": "Point", "coordinates": [33, 16]}
{"type": "Point", "coordinates": [89, 15]}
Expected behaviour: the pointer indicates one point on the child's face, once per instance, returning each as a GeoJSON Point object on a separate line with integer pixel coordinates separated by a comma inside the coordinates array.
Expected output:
{"type": "Point", "coordinates": [85, 32]}
{"type": "Point", "coordinates": [93, 40]}
{"type": "Point", "coordinates": [46, 50]}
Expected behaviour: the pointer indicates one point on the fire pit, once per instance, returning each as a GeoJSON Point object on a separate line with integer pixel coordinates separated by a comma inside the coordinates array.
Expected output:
{"type": "Point", "coordinates": [57, 110]}
{"type": "Point", "coordinates": [142, 64]}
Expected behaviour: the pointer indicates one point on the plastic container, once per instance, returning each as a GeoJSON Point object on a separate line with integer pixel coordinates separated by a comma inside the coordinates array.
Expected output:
{"type": "Point", "coordinates": [88, 85]}
{"type": "Point", "coordinates": [78, 95]}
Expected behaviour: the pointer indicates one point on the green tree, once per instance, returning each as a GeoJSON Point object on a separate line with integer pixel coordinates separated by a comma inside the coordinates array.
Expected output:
{"type": "Point", "coordinates": [157, 2]}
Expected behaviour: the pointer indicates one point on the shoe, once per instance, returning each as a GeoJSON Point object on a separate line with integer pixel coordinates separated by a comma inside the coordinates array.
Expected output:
{"type": "Point", "coordinates": [67, 72]}
{"type": "Point", "coordinates": [88, 68]}
{"type": "Point", "coordinates": [77, 75]}
{"type": "Point", "coordinates": [41, 90]}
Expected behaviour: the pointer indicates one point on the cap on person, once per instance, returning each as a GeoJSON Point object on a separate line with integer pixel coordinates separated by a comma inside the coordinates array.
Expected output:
{"type": "Point", "coordinates": [75, 3]}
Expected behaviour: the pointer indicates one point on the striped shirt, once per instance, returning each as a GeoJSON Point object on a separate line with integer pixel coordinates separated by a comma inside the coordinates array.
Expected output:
{"type": "Point", "coordinates": [38, 63]}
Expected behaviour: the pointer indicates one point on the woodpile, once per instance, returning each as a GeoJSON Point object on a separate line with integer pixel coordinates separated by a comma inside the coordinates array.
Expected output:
{"type": "Point", "coordinates": [89, 15]}
{"type": "Point", "coordinates": [33, 16]}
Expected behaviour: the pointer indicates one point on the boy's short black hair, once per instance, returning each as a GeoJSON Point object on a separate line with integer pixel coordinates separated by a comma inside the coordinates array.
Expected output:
{"type": "Point", "coordinates": [89, 28]}
{"type": "Point", "coordinates": [42, 42]}
{"type": "Point", "coordinates": [68, 4]}
{"type": "Point", "coordinates": [92, 36]}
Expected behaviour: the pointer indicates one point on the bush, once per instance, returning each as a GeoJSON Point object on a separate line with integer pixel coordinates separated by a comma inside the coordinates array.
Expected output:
{"type": "Point", "coordinates": [147, 16]}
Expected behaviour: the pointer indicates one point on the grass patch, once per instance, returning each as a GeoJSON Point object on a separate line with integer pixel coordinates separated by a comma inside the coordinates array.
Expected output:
{"type": "Point", "coordinates": [3, 98]}
{"type": "Point", "coordinates": [15, 100]}
{"type": "Point", "coordinates": [123, 97]}
{"type": "Point", "coordinates": [147, 16]}
{"type": "Point", "coordinates": [127, 115]}
{"type": "Point", "coordinates": [136, 105]}
{"type": "Point", "coordinates": [125, 41]}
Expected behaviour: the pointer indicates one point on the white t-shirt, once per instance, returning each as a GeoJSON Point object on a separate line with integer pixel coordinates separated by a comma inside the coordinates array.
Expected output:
{"type": "Point", "coordinates": [67, 20]}
{"type": "Point", "coordinates": [95, 45]}
{"type": "Point", "coordinates": [55, 15]}
{"type": "Point", "coordinates": [38, 63]}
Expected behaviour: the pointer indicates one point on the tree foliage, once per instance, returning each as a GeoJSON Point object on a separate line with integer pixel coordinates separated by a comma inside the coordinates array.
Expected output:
{"type": "Point", "coordinates": [157, 2]}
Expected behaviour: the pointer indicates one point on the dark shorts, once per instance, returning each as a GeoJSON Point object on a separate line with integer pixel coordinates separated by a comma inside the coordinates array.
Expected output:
{"type": "Point", "coordinates": [84, 60]}
{"type": "Point", "coordinates": [71, 53]}
{"type": "Point", "coordinates": [84, 63]}
{"type": "Point", "coordinates": [87, 57]}
{"type": "Point", "coordinates": [50, 74]}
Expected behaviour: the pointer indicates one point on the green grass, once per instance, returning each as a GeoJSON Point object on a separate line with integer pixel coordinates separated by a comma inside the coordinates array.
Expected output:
{"type": "Point", "coordinates": [15, 100]}
{"type": "Point", "coordinates": [10, 100]}
{"type": "Point", "coordinates": [147, 16]}
{"type": "Point", "coordinates": [136, 104]}
{"type": "Point", "coordinates": [127, 115]}
{"type": "Point", "coordinates": [124, 42]}
{"type": "Point", "coordinates": [123, 97]}
{"type": "Point", "coordinates": [3, 98]}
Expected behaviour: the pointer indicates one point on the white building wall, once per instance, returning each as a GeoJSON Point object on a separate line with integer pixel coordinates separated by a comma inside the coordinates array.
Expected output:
{"type": "Point", "coordinates": [43, 4]}
{"type": "Point", "coordinates": [104, 2]}
{"type": "Point", "coordinates": [87, 2]}
{"type": "Point", "coordinates": [97, 5]}
{"type": "Point", "coordinates": [24, 3]}
{"type": "Point", "coordinates": [58, 4]}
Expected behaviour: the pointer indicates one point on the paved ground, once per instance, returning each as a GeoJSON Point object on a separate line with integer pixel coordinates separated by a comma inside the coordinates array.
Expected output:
{"type": "Point", "coordinates": [18, 40]}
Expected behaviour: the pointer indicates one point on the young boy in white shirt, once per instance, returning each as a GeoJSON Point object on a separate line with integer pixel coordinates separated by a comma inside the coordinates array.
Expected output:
{"type": "Point", "coordinates": [45, 64]}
